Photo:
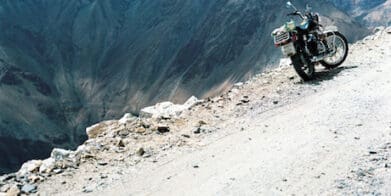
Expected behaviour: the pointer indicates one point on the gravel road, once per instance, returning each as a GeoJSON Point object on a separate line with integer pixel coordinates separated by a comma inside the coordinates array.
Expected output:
{"type": "Point", "coordinates": [310, 147]}
{"type": "Point", "coordinates": [328, 137]}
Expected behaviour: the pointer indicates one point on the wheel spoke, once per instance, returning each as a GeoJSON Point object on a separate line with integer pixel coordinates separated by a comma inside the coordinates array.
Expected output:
{"type": "Point", "coordinates": [339, 48]}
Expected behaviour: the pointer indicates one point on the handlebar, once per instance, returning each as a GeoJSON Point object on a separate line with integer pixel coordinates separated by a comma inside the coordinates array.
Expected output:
{"type": "Point", "coordinates": [296, 13]}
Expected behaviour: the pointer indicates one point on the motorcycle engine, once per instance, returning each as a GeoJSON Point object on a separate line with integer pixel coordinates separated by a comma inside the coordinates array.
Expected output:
{"type": "Point", "coordinates": [312, 45]}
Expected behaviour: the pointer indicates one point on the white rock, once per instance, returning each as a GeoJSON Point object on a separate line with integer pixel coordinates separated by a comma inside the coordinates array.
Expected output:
{"type": "Point", "coordinates": [81, 149]}
{"type": "Point", "coordinates": [388, 30]}
{"type": "Point", "coordinates": [168, 109]}
{"type": "Point", "coordinates": [29, 167]}
{"type": "Point", "coordinates": [90, 147]}
{"type": "Point", "coordinates": [61, 154]}
{"type": "Point", "coordinates": [239, 84]}
{"type": "Point", "coordinates": [159, 110]}
{"type": "Point", "coordinates": [29, 188]}
{"type": "Point", "coordinates": [191, 102]}
{"type": "Point", "coordinates": [148, 112]}
{"type": "Point", "coordinates": [127, 118]}
{"type": "Point", "coordinates": [47, 165]}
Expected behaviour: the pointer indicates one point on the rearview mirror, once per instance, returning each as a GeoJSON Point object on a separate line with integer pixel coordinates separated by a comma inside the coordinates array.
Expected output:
{"type": "Point", "coordinates": [288, 4]}
{"type": "Point", "coordinates": [308, 8]}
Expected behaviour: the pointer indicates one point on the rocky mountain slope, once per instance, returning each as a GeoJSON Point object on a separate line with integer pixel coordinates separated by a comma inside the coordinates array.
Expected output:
{"type": "Point", "coordinates": [357, 6]}
{"type": "Point", "coordinates": [270, 135]}
{"type": "Point", "coordinates": [380, 15]}
{"type": "Point", "coordinates": [370, 12]}
{"type": "Point", "coordinates": [65, 65]}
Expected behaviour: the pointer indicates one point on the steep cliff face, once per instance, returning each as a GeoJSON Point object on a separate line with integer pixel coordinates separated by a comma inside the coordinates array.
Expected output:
{"type": "Point", "coordinates": [370, 12]}
{"type": "Point", "coordinates": [380, 15]}
{"type": "Point", "coordinates": [65, 65]}
{"type": "Point", "coordinates": [357, 5]}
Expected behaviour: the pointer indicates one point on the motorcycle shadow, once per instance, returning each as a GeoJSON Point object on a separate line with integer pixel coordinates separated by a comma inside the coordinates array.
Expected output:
{"type": "Point", "coordinates": [329, 74]}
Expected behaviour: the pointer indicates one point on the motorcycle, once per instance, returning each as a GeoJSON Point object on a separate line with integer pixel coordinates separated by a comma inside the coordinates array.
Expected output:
{"type": "Point", "coordinates": [309, 43]}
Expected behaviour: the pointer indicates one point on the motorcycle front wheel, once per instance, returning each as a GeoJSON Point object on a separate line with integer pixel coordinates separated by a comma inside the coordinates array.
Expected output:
{"type": "Point", "coordinates": [338, 43]}
{"type": "Point", "coordinates": [304, 68]}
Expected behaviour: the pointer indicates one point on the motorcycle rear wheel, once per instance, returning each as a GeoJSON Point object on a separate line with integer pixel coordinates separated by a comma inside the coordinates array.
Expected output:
{"type": "Point", "coordinates": [304, 68]}
{"type": "Point", "coordinates": [341, 51]}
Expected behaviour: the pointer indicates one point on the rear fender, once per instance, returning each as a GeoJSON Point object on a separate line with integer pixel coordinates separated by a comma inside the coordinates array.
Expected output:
{"type": "Point", "coordinates": [330, 29]}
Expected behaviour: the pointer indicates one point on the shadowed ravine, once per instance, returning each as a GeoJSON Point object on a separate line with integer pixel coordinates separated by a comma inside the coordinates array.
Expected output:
{"type": "Point", "coordinates": [19, 151]}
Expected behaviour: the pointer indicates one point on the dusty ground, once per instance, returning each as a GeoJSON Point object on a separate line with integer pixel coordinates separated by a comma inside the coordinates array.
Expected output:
{"type": "Point", "coordinates": [273, 136]}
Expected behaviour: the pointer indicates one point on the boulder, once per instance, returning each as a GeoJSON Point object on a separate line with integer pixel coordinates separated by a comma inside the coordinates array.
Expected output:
{"type": "Point", "coordinates": [127, 118]}
{"type": "Point", "coordinates": [388, 30]}
{"type": "Point", "coordinates": [158, 110]}
{"type": "Point", "coordinates": [47, 165]}
{"type": "Point", "coordinates": [90, 148]}
{"type": "Point", "coordinates": [65, 158]}
{"type": "Point", "coordinates": [87, 151]}
{"type": "Point", "coordinates": [60, 154]}
{"type": "Point", "coordinates": [30, 167]}
{"type": "Point", "coordinates": [168, 109]}
{"type": "Point", "coordinates": [191, 102]}
{"type": "Point", "coordinates": [29, 188]}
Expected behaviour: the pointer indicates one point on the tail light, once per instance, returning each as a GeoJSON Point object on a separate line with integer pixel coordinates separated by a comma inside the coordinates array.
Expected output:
{"type": "Point", "coordinates": [294, 37]}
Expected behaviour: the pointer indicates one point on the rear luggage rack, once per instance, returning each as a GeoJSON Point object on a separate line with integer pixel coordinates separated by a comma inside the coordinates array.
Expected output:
{"type": "Point", "coordinates": [281, 38]}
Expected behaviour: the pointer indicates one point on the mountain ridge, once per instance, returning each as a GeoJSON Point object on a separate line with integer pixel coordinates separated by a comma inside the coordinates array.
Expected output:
{"type": "Point", "coordinates": [371, 13]}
